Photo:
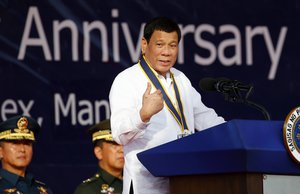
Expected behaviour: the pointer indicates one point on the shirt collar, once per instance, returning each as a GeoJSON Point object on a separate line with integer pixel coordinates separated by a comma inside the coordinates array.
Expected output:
{"type": "Point", "coordinates": [168, 74]}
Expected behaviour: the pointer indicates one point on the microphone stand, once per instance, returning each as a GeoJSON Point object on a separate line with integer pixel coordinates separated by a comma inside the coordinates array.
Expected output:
{"type": "Point", "coordinates": [234, 94]}
{"type": "Point", "coordinates": [258, 107]}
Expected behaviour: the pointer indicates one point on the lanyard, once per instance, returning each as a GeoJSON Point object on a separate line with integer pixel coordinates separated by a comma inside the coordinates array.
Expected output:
{"type": "Point", "coordinates": [177, 114]}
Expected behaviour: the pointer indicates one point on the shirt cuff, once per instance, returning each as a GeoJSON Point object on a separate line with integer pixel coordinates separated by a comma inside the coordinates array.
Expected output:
{"type": "Point", "coordinates": [140, 124]}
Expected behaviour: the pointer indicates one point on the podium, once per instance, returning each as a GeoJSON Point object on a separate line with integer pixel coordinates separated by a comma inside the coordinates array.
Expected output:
{"type": "Point", "coordinates": [234, 157]}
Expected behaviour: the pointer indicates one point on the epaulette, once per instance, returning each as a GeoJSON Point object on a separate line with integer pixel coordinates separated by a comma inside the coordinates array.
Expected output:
{"type": "Point", "coordinates": [40, 183]}
{"type": "Point", "coordinates": [95, 177]}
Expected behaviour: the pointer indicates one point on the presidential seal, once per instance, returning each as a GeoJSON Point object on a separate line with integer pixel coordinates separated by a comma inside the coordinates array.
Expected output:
{"type": "Point", "coordinates": [291, 134]}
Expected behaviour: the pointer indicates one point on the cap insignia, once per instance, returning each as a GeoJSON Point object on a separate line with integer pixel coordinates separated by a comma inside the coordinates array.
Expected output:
{"type": "Point", "coordinates": [22, 125]}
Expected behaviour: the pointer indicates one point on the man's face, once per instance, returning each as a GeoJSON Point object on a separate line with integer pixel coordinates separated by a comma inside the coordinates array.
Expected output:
{"type": "Point", "coordinates": [16, 155]}
{"type": "Point", "coordinates": [112, 157]}
{"type": "Point", "coordinates": [161, 51]}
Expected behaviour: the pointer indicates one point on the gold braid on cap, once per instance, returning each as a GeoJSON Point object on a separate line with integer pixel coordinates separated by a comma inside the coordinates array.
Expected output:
{"type": "Point", "coordinates": [103, 134]}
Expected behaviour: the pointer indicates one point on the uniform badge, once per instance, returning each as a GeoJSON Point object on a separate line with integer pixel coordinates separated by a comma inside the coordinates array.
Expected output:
{"type": "Point", "coordinates": [104, 188]}
{"type": "Point", "coordinates": [42, 190]}
{"type": "Point", "coordinates": [11, 190]}
{"type": "Point", "coordinates": [291, 134]}
{"type": "Point", "coordinates": [110, 190]}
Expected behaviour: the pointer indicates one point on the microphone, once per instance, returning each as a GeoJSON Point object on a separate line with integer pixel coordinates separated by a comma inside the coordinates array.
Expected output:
{"type": "Point", "coordinates": [223, 85]}
{"type": "Point", "coordinates": [233, 91]}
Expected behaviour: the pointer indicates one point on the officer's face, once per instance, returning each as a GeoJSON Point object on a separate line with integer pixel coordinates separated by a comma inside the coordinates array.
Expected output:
{"type": "Point", "coordinates": [16, 155]}
{"type": "Point", "coordinates": [112, 156]}
{"type": "Point", "coordinates": [161, 51]}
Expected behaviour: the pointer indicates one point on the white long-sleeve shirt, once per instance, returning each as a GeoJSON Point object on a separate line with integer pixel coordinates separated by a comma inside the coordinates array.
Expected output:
{"type": "Point", "coordinates": [126, 97]}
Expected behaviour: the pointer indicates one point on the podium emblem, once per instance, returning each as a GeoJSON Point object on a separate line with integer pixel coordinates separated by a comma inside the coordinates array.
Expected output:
{"type": "Point", "coordinates": [291, 134]}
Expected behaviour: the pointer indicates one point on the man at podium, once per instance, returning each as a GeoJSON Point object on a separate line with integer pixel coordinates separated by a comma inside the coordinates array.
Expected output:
{"type": "Point", "coordinates": [153, 103]}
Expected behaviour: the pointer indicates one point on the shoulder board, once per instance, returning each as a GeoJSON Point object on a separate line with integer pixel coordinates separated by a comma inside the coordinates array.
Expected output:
{"type": "Point", "coordinates": [95, 177]}
{"type": "Point", "coordinates": [39, 182]}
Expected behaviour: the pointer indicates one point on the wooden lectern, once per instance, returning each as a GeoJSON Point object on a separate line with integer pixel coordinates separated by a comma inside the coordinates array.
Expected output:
{"type": "Point", "coordinates": [231, 158]}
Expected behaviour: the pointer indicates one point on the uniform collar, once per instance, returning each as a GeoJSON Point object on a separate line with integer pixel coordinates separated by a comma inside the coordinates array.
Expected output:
{"type": "Point", "coordinates": [13, 178]}
{"type": "Point", "coordinates": [108, 178]}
